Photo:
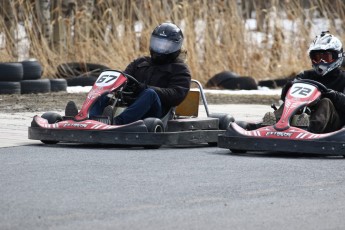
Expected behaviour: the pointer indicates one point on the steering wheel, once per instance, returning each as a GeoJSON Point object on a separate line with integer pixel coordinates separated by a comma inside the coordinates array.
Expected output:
{"type": "Point", "coordinates": [320, 86]}
{"type": "Point", "coordinates": [131, 84]}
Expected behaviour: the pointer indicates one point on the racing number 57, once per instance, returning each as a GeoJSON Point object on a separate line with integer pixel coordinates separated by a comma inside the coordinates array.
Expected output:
{"type": "Point", "coordinates": [301, 91]}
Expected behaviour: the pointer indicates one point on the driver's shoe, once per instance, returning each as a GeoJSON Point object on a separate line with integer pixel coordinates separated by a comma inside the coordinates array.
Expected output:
{"type": "Point", "coordinates": [269, 119]}
{"type": "Point", "coordinates": [301, 120]}
{"type": "Point", "coordinates": [71, 109]}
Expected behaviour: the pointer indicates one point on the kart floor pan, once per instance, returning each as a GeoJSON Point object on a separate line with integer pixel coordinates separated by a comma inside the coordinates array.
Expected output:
{"type": "Point", "coordinates": [125, 138]}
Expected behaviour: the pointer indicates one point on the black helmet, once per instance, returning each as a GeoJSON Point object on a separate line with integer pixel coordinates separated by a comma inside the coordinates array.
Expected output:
{"type": "Point", "coordinates": [166, 42]}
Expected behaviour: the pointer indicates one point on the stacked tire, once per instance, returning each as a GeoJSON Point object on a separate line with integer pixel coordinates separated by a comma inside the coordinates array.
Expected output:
{"type": "Point", "coordinates": [11, 74]}
{"type": "Point", "coordinates": [32, 82]}
{"type": "Point", "coordinates": [25, 78]}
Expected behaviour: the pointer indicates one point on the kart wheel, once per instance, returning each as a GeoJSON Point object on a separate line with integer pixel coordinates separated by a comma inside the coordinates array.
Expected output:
{"type": "Point", "coordinates": [49, 142]}
{"type": "Point", "coordinates": [52, 117]}
{"type": "Point", "coordinates": [154, 125]}
{"type": "Point", "coordinates": [238, 151]}
{"type": "Point", "coordinates": [224, 120]}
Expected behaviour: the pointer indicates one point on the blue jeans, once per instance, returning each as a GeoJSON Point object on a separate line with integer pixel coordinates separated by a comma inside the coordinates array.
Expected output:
{"type": "Point", "coordinates": [98, 106]}
{"type": "Point", "coordinates": [146, 105]}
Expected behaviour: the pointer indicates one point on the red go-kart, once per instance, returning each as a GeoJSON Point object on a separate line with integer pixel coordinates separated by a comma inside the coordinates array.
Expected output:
{"type": "Point", "coordinates": [241, 137]}
{"type": "Point", "coordinates": [175, 128]}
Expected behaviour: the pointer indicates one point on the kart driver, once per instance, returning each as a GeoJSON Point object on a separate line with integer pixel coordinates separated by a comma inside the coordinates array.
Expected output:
{"type": "Point", "coordinates": [164, 78]}
{"type": "Point", "coordinates": [327, 115]}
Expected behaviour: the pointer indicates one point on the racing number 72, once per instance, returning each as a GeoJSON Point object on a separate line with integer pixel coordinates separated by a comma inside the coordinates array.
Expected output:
{"type": "Point", "coordinates": [106, 77]}
{"type": "Point", "coordinates": [301, 90]}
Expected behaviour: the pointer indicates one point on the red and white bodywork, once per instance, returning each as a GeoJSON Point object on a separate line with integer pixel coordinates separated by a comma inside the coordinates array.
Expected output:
{"type": "Point", "coordinates": [282, 136]}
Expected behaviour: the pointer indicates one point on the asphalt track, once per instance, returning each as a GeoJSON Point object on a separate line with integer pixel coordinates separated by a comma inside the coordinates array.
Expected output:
{"type": "Point", "coordinates": [71, 186]}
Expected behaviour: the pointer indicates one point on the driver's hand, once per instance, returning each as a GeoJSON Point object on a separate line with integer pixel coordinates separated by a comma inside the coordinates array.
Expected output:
{"type": "Point", "coordinates": [135, 88]}
{"type": "Point", "coordinates": [330, 94]}
{"type": "Point", "coordinates": [138, 88]}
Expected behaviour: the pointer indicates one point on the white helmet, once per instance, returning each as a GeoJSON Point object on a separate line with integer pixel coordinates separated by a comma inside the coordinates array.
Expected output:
{"type": "Point", "coordinates": [326, 53]}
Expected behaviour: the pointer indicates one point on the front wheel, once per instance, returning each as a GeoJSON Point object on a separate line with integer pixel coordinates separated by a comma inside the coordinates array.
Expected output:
{"type": "Point", "coordinates": [153, 125]}
{"type": "Point", "coordinates": [52, 118]}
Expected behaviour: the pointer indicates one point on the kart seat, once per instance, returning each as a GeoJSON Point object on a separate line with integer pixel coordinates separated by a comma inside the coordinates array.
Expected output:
{"type": "Point", "coordinates": [189, 107]}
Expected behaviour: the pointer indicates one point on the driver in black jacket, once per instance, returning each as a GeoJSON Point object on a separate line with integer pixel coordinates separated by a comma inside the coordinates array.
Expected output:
{"type": "Point", "coordinates": [327, 115]}
{"type": "Point", "coordinates": [164, 78]}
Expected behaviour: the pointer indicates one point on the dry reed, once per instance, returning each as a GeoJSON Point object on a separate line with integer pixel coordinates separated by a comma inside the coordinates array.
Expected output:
{"type": "Point", "coordinates": [215, 35]}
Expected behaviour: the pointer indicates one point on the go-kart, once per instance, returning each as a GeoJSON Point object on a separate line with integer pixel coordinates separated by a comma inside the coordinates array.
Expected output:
{"type": "Point", "coordinates": [180, 126]}
{"type": "Point", "coordinates": [241, 137]}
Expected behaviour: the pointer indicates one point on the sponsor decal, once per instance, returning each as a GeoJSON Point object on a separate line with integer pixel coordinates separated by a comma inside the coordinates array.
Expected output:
{"type": "Point", "coordinates": [75, 125]}
{"type": "Point", "coordinates": [279, 134]}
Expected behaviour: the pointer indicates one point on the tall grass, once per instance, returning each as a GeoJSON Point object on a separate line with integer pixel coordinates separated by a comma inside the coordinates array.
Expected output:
{"type": "Point", "coordinates": [216, 37]}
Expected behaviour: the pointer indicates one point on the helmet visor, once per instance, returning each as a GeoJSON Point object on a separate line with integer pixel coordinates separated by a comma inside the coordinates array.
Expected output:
{"type": "Point", "coordinates": [322, 56]}
{"type": "Point", "coordinates": [163, 45]}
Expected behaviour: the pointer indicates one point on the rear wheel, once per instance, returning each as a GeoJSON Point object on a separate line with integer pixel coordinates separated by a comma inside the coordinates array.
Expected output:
{"type": "Point", "coordinates": [52, 118]}
{"type": "Point", "coordinates": [154, 125]}
{"type": "Point", "coordinates": [224, 120]}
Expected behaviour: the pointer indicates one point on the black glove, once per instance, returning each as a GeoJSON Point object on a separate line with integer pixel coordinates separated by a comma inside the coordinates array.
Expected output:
{"type": "Point", "coordinates": [139, 88]}
{"type": "Point", "coordinates": [330, 94]}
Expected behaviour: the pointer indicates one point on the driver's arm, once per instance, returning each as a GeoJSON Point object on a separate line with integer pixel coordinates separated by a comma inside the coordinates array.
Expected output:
{"type": "Point", "coordinates": [337, 98]}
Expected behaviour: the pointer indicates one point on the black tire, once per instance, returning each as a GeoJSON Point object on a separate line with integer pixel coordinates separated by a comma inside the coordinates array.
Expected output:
{"type": "Point", "coordinates": [281, 82]}
{"type": "Point", "coordinates": [238, 151]}
{"type": "Point", "coordinates": [32, 70]}
{"type": "Point", "coordinates": [9, 87]}
{"type": "Point", "coordinates": [268, 83]}
{"type": "Point", "coordinates": [154, 125]}
{"type": "Point", "coordinates": [11, 71]}
{"type": "Point", "coordinates": [246, 83]}
{"type": "Point", "coordinates": [52, 119]}
{"type": "Point", "coordinates": [35, 86]}
{"type": "Point", "coordinates": [57, 85]}
{"type": "Point", "coordinates": [81, 81]}
{"type": "Point", "coordinates": [218, 78]}
{"type": "Point", "coordinates": [224, 120]}
{"type": "Point", "coordinates": [73, 69]}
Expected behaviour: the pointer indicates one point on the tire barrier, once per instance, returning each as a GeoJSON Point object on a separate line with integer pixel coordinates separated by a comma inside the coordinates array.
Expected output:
{"type": "Point", "coordinates": [31, 70]}
{"type": "Point", "coordinates": [10, 87]}
{"type": "Point", "coordinates": [275, 83]}
{"type": "Point", "coordinates": [246, 83]}
{"type": "Point", "coordinates": [81, 81]}
{"type": "Point", "coordinates": [217, 79]}
{"type": "Point", "coordinates": [35, 86]}
{"type": "Point", "coordinates": [57, 85]}
{"type": "Point", "coordinates": [231, 80]}
{"type": "Point", "coordinates": [75, 69]}
{"type": "Point", "coordinates": [11, 71]}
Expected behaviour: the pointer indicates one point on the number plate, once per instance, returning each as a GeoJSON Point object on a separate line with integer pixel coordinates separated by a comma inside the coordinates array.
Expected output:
{"type": "Point", "coordinates": [107, 78]}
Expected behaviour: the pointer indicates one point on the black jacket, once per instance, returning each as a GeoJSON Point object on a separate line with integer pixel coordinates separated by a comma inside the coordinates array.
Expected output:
{"type": "Point", "coordinates": [334, 80]}
{"type": "Point", "coordinates": [170, 81]}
